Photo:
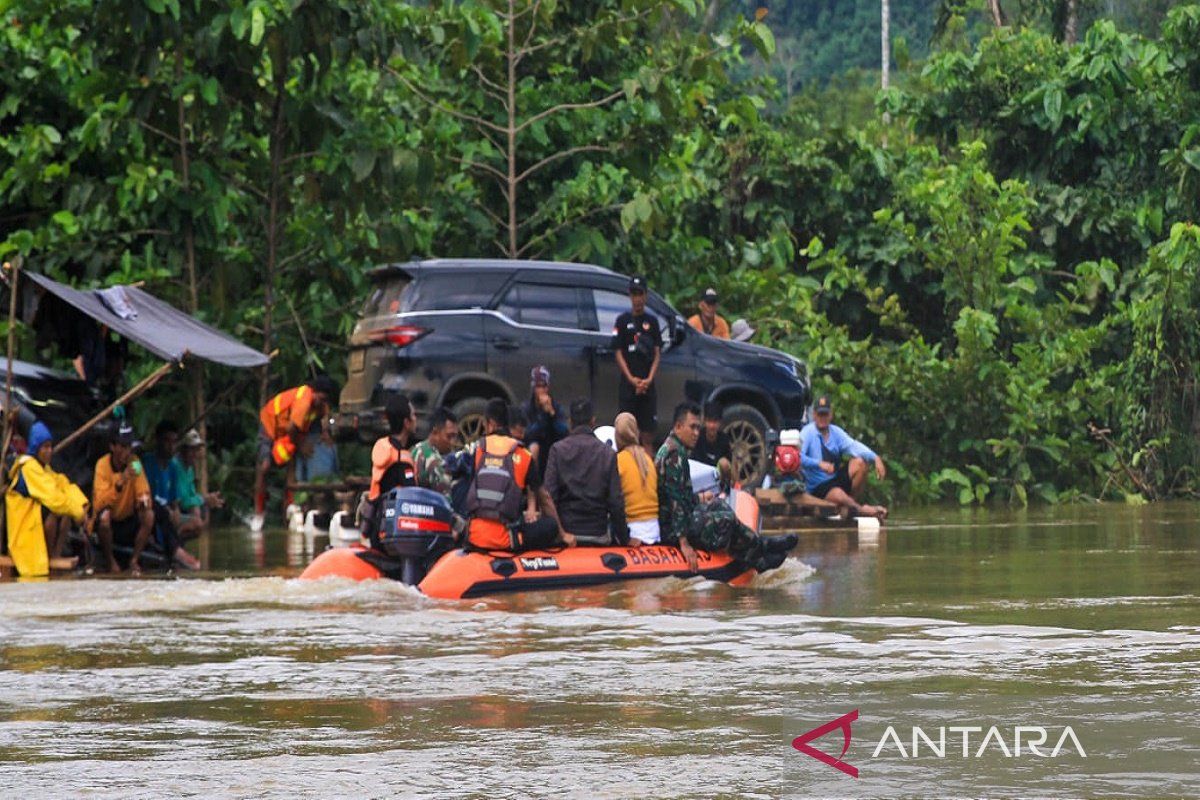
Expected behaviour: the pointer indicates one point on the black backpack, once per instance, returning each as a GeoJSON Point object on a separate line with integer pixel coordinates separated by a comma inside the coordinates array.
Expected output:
{"type": "Point", "coordinates": [494, 493]}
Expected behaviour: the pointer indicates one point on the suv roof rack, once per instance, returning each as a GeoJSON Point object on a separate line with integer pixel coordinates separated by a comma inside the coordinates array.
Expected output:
{"type": "Point", "coordinates": [411, 268]}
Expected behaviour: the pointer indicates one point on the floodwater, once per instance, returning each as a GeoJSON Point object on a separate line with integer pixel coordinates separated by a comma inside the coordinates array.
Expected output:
{"type": "Point", "coordinates": [246, 683]}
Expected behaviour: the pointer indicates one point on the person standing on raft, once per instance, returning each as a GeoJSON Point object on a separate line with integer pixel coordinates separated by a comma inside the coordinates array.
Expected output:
{"type": "Point", "coordinates": [285, 420]}
{"type": "Point", "coordinates": [822, 447]}
{"type": "Point", "coordinates": [40, 504]}
{"type": "Point", "coordinates": [706, 521]}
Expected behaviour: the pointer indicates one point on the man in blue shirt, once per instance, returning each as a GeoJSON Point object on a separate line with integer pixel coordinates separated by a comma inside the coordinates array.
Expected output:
{"type": "Point", "coordinates": [163, 473]}
{"type": "Point", "coordinates": [823, 446]}
{"type": "Point", "coordinates": [160, 470]}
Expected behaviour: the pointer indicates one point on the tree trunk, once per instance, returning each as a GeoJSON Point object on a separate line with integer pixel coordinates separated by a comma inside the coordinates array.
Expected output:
{"type": "Point", "coordinates": [1071, 22]}
{"type": "Point", "coordinates": [885, 44]}
{"type": "Point", "coordinates": [196, 410]}
{"type": "Point", "coordinates": [997, 13]}
{"type": "Point", "coordinates": [273, 211]}
{"type": "Point", "coordinates": [512, 131]}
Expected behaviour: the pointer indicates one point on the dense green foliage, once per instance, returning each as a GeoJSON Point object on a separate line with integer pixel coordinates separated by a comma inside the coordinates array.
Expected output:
{"type": "Point", "coordinates": [1011, 258]}
{"type": "Point", "coordinates": [821, 40]}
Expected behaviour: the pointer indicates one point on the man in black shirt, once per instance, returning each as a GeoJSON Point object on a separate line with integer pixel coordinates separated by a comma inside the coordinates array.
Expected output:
{"type": "Point", "coordinates": [583, 481]}
{"type": "Point", "coordinates": [637, 342]}
{"type": "Point", "coordinates": [713, 445]}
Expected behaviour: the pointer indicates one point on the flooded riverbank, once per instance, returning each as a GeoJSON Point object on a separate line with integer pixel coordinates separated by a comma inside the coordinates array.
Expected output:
{"type": "Point", "coordinates": [237, 685]}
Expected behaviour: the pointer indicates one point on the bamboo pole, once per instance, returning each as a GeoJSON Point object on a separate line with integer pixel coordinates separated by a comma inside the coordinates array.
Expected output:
{"type": "Point", "coordinates": [9, 411]}
{"type": "Point", "coordinates": [144, 385]}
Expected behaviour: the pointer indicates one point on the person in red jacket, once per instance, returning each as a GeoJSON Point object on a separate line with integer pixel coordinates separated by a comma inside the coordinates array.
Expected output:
{"type": "Point", "coordinates": [285, 420]}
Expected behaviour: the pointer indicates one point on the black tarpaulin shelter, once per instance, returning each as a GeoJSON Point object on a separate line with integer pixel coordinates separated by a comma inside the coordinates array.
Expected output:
{"type": "Point", "coordinates": [159, 327]}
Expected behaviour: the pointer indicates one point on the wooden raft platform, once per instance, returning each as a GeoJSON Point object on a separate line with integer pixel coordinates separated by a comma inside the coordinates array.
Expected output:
{"type": "Point", "coordinates": [59, 563]}
{"type": "Point", "coordinates": [797, 513]}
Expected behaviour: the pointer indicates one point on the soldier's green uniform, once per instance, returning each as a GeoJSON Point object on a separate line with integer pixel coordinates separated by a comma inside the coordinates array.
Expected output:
{"type": "Point", "coordinates": [675, 499]}
{"type": "Point", "coordinates": [712, 527]}
{"type": "Point", "coordinates": [431, 468]}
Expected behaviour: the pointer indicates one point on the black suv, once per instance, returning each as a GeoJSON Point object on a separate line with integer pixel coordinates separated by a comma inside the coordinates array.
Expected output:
{"type": "Point", "coordinates": [458, 332]}
{"type": "Point", "coordinates": [64, 403]}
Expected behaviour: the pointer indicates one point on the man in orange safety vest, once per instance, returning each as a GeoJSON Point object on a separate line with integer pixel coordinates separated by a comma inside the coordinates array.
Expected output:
{"type": "Point", "coordinates": [285, 421]}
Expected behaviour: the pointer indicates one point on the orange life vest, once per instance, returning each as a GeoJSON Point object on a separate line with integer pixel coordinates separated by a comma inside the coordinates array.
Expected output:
{"type": "Point", "coordinates": [289, 407]}
{"type": "Point", "coordinates": [283, 450]}
{"type": "Point", "coordinates": [492, 453]}
{"type": "Point", "coordinates": [385, 455]}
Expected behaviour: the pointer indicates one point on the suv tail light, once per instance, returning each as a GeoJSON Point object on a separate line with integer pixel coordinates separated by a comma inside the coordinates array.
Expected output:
{"type": "Point", "coordinates": [400, 335]}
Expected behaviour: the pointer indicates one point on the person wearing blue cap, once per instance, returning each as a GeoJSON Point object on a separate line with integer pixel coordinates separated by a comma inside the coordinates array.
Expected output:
{"type": "Point", "coordinates": [32, 486]}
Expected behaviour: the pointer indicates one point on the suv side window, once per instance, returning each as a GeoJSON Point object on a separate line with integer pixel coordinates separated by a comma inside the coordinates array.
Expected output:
{"type": "Point", "coordinates": [542, 304]}
{"type": "Point", "coordinates": [610, 305]}
{"type": "Point", "coordinates": [385, 298]}
{"type": "Point", "coordinates": [451, 291]}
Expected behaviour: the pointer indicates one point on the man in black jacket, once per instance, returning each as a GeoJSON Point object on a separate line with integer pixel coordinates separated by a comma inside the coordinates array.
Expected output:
{"type": "Point", "coordinates": [582, 479]}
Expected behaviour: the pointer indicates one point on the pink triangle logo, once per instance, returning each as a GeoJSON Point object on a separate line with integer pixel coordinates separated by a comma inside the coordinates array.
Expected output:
{"type": "Point", "coordinates": [801, 743]}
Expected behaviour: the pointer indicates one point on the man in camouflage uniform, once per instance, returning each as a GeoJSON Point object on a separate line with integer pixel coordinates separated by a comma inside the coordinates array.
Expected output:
{"type": "Point", "coordinates": [429, 456]}
{"type": "Point", "coordinates": [706, 522]}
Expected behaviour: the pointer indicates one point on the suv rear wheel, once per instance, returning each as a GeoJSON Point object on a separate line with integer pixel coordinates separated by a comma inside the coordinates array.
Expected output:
{"type": "Point", "coordinates": [747, 432]}
{"type": "Point", "coordinates": [470, 412]}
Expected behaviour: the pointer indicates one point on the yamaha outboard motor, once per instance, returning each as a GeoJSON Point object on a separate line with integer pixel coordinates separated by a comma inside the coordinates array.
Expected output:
{"type": "Point", "coordinates": [416, 528]}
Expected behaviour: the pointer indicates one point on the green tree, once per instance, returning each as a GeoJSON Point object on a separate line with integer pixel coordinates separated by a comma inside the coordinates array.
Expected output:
{"type": "Point", "coordinates": [549, 109]}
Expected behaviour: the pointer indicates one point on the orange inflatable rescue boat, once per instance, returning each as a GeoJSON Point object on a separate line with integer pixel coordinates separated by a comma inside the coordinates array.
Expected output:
{"type": "Point", "coordinates": [415, 546]}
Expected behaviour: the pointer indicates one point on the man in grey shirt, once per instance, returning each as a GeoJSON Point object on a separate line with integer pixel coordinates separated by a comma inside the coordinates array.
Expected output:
{"type": "Point", "coordinates": [582, 479]}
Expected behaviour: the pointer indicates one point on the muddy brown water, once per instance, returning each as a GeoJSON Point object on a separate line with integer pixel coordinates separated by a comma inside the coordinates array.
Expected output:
{"type": "Point", "coordinates": [243, 682]}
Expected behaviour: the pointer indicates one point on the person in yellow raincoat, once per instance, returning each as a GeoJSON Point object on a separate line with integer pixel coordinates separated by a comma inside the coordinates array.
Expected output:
{"type": "Point", "coordinates": [32, 485]}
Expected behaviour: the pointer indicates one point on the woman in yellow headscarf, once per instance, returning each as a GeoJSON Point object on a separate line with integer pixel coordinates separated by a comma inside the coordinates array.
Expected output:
{"type": "Point", "coordinates": [639, 482]}
{"type": "Point", "coordinates": [32, 485]}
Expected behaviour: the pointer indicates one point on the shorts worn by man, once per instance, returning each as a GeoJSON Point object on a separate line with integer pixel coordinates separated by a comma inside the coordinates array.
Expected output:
{"type": "Point", "coordinates": [582, 478]}
{"type": "Point", "coordinates": [637, 345]}
{"type": "Point", "coordinates": [705, 522]}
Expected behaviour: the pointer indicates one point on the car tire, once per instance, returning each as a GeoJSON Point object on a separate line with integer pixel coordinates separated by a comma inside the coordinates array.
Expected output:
{"type": "Point", "coordinates": [470, 412]}
{"type": "Point", "coordinates": [747, 430]}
